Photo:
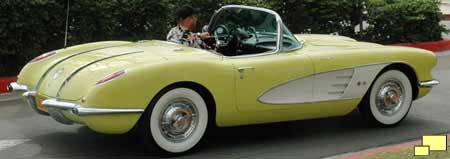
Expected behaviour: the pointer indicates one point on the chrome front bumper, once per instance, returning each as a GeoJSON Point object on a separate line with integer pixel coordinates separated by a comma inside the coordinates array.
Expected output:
{"type": "Point", "coordinates": [427, 84]}
{"type": "Point", "coordinates": [56, 108]}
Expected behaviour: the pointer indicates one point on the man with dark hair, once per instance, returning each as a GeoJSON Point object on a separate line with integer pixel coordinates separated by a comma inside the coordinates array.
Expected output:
{"type": "Point", "coordinates": [186, 21]}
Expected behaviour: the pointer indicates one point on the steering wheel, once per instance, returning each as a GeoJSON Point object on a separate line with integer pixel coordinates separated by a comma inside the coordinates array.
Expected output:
{"type": "Point", "coordinates": [221, 35]}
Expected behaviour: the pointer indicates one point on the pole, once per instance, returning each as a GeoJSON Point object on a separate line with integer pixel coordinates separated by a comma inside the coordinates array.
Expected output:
{"type": "Point", "coordinates": [67, 23]}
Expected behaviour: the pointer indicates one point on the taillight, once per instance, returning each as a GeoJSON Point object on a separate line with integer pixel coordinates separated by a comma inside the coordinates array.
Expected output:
{"type": "Point", "coordinates": [112, 77]}
{"type": "Point", "coordinates": [43, 56]}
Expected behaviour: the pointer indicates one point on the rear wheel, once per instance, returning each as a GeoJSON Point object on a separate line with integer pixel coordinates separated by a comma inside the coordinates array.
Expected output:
{"type": "Point", "coordinates": [175, 121]}
{"type": "Point", "coordinates": [389, 99]}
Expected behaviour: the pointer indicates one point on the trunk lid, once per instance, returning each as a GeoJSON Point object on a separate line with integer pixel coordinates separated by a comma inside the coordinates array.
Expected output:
{"type": "Point", "coordinates": [73, 77]}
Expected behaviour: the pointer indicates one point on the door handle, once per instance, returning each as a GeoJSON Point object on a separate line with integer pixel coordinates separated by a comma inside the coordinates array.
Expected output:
{"type": "Point", "coordinates": [242, 69]}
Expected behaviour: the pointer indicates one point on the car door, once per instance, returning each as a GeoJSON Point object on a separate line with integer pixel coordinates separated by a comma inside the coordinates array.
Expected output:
{"type": "Point", "coordinates": [271, 70]}
{"type": "Point", "coordinates": [273, 81]}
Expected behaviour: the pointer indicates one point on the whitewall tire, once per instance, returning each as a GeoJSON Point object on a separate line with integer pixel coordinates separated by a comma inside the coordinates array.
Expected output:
{"type": "Point", "coordinates": [175, 121]}
{"type": "Point", "coordinates": [389, 99]}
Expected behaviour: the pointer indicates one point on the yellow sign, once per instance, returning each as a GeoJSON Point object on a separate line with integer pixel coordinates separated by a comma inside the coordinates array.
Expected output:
{"type": "Point", "coordinates": [421, 150]}
{"type": "Point", "coordinates": [431, 143]}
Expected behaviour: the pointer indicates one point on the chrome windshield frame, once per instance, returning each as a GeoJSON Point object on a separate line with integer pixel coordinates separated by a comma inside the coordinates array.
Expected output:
{"type": "Point", "coordinates": [280, 28]}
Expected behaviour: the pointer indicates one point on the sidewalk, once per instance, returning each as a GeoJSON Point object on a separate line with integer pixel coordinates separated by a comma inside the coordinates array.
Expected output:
{"type": "Point", "coordinates": [443, 53]}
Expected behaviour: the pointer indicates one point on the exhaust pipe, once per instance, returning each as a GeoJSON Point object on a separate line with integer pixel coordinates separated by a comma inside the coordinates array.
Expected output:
{"type": "Point", "coordinates": [16, 87]}
{"type": "Point", "coordinates": [9, 88]}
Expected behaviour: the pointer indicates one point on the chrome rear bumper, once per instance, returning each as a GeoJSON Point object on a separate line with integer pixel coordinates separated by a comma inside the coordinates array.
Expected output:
{"type": "Point", "coordinates": [427, 84]}
{"type": "Point", "coordinates": [82, 111]}
{"type": "Point", "coordinates": [29, 95]}
{"type": "Point", "coordinates": [56, 108]}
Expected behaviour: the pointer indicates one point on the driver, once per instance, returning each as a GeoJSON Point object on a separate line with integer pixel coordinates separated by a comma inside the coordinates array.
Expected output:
{"type": "Point", "coordinates": [186, 21]}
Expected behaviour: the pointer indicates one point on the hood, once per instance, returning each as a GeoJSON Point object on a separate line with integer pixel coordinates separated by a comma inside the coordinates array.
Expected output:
{"type": "Point", "coordinates": [333, 41]}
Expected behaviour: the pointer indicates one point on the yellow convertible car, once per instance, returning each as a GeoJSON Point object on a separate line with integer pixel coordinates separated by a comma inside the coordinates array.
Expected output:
{"type": "Point", "coordinates": [255, 71]}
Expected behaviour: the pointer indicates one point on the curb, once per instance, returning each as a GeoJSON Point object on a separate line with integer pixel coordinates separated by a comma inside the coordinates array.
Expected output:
{"type": "Point", "coordinates": [377, 150]}
{"type": "Point", "coordinates": [4, 81]}
{"type": "Point", "coordinates": [9, 97]}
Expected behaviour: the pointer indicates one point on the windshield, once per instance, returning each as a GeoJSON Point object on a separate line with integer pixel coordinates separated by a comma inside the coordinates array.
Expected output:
{"type": "Point", "coordinates": [253, 31]}
{"type": "Point", "coordinates": [243, 31]}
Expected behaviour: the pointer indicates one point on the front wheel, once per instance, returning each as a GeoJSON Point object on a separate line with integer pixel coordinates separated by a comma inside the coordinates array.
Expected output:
{"type": "Point", "coordinates": [389, 99]}
{"type": "Point", "coordinates": [175, 121]}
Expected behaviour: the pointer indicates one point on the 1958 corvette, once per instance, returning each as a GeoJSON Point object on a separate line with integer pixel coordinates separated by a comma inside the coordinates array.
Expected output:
{"type": "Point", "coordinates": [255, 72]}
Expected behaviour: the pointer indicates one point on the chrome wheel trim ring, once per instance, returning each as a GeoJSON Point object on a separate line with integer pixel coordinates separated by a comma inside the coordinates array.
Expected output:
{"type": "Point", "coordinates": [390, 97]}
{"type": "Point", "coordinates": [179, 120]}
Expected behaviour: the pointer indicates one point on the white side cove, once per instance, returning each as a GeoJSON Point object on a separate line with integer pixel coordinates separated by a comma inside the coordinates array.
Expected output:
{"type": "Point", "coordinates": [296, 91]}
{"type": "Point", "coordinates": [362, 79]}
{"type": "Point", "coordinates": [342, 84]}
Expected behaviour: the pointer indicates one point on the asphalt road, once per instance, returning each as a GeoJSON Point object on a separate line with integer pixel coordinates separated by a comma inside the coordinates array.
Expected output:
{"type": "Point", "coordinates": [24, 134]}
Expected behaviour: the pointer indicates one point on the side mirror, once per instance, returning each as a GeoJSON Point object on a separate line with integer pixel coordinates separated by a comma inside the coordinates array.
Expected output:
{"type": "Point", "coordinates": [205, 28]}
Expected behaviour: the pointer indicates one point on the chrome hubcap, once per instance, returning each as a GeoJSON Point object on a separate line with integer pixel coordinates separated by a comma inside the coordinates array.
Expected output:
{"type": "Point", "coordinates": [179, 120]}
{"type": "Point", "coordinates": [389, 97]}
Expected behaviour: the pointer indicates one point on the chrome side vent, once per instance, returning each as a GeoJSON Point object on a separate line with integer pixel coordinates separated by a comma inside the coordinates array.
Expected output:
{"type": "Point", "coordinates": [344, 77]}
{"type": "Point", "coordinates": [340, 83]}
{"type": "Point", "coordinates": [332, 85]}
{"type": "Point", "coordinates": [338, 92]}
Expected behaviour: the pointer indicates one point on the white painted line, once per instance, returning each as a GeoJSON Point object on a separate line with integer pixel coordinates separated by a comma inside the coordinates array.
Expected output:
{"type": "Point", "coordinates": [5, 144]}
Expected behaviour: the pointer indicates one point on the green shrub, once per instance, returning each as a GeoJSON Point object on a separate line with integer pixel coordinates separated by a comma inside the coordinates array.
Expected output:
{"type": "Point", "coordinates": [322, 16]}
{"type": "Point", "coordinates": [31, 27]}
{"type": "Point", "coordinates": [26, 29]}
{"type": "Point", "coordinates": [403, 21]}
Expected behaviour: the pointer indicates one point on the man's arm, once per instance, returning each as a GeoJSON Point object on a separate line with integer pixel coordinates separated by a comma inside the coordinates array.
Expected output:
{"type": "Point", "coordinates": [204, 35]}
{"type": "Point", "coordinates": [174, 36]}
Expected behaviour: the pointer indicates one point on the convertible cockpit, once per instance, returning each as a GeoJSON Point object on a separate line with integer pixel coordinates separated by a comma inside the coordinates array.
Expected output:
{"type": "Point", "coordinates": [245, 31]}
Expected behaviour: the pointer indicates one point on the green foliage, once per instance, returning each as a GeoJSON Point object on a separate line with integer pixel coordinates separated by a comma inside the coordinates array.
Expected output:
{"type": "Point", "coordinates": [27, 27]}
{"type": "Point", "coordinates": [31, 27]}
{"type": "Point", "coordinates": [402, 21]}
{"type": "Point", "coordinates": [322, 16]}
